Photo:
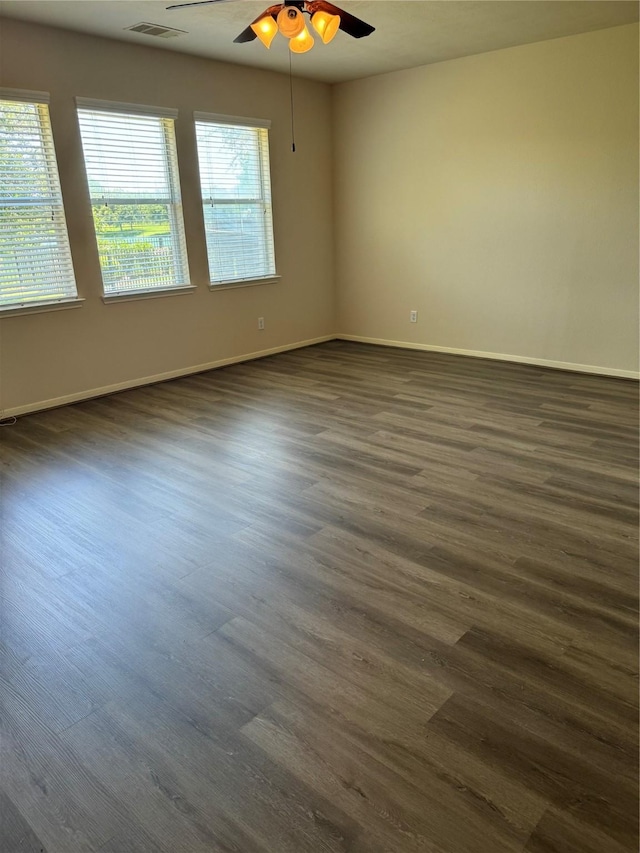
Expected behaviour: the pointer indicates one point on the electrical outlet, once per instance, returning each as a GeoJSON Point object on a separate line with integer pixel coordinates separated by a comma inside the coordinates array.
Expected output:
{"type": "Point", "coordinates": [413, 317]}
{"type": "Point", "coordinates": [260, 323]}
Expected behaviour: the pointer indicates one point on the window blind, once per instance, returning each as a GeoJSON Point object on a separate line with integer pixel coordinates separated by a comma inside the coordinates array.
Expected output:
{"type": "Point", "coordinates": [236, 197]}
{"type": "Point", "coordinates": [132, 171]}
{"type": "Point", "coordinates": [35, 258]}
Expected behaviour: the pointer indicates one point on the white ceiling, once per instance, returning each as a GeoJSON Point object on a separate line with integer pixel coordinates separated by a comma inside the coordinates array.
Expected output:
{"type": "Point", "coordinates": [408, 32]}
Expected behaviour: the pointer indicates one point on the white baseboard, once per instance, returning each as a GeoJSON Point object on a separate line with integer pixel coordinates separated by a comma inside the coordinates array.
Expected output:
{"type": "Point", "coordinates": [212, 365]}
{"type": "Point", "coordinates": [158, 377]}
{"type": "Point", "coordinates": [498, 356]}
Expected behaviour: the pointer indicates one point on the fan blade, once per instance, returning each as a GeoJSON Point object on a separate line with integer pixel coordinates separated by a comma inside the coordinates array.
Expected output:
{"type": "Point", "coordinates": [245, 35]}
{"type": "Point", "coordinates": [348, 23]}
{"type": "Point", "coordinates": [248, 34]}
{"type": "Point", "coordinates": [196, 3]}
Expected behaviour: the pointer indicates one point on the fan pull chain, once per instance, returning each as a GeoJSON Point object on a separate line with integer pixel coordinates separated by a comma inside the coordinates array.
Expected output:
{"type": "Point", "coordinates": [293, 131]}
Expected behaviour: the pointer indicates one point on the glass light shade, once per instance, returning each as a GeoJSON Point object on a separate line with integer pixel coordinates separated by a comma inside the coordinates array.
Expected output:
{"type": "Point", "coordinates": [290, 21]}
{"type": "Point", "coordinates": [266, 29]}
{"type": "Point", "coordinates": [326, 25]}
{"type": "Point", "coordinates": [303, 42]}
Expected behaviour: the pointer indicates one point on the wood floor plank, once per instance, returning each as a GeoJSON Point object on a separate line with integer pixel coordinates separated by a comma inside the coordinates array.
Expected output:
{"type": "Point", "coordinates": [565, 776]}
{"type": "Point", "coordinates": [345, 599]}
{"type": "Point", "coordinates": [156, 793]}
{"type": "Point", "coordinates": [58, 795]}
{"type": "Point", "coordinates": [251, 803]}
{"type": "Point", "coordinates": [560, 832]}
{"type": "Point", "coordinates": [17, 835]}
{"type": "Point", "coordinates": [322, 686]}
{"type": "Point", "coordinates": [424, 816]}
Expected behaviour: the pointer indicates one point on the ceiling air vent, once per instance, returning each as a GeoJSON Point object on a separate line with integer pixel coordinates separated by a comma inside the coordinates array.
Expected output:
{"type": "Point", "coordinates": [156, 30]}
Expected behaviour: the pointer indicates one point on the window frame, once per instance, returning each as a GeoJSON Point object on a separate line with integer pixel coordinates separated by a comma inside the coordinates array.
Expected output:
{"type": "Point", "coordinates": [62, 251]}
{"type": "Point", "coordinates": [261, 126]}
{"type": "Point", "coordinates": [173, 201]}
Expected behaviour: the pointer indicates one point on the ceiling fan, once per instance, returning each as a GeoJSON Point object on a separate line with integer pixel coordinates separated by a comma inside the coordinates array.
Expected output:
{"type": "Point", "coordinates": [287, 18]}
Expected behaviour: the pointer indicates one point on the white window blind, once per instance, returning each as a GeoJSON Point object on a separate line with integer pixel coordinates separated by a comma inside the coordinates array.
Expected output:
{"type": "Point", "coordinates": [132, 170]}
{"type": "Point", "coordinates": [35, 258]}
{"type": "Point", "coordinates": [236, 198]}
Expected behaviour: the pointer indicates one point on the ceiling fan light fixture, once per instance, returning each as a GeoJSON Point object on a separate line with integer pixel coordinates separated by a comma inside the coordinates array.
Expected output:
{"type": "Point", "coordinates": [326, 25]}
{"type": "Point", "coordinates": [301, 43]}
{"type": "Point", "coordinates": [290, 22]}
{"type": "Point", "coordinates": [326, 19]}
{"type": "Point", "coordinates": [266, 29]}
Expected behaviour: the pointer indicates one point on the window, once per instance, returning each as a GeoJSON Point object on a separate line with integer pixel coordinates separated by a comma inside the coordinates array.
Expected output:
{"type": "Point", "coordinates": [132, 170]}
{"type": "Point", "coordinates": [236, 195]}
{"type": "Point", "coordinates": [35, 258]}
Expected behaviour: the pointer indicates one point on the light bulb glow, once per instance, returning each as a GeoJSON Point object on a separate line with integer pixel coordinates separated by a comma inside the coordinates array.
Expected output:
{"type": "Point", "coordinates": [303, 42]}
{"type": "Point", "coordinates": [326, 25]}
{"type": "Point", "coordinates": [290, 22]}
{"type": "Point", "coordinates": [266, 30]}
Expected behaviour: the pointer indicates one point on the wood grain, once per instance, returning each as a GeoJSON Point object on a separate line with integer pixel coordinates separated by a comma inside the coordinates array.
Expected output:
{"type": "Point", "coordinates": [342, 599]}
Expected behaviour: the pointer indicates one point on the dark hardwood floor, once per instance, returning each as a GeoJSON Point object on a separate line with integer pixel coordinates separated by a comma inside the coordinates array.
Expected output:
{"type": "Point", "coordinates": [341, 599]}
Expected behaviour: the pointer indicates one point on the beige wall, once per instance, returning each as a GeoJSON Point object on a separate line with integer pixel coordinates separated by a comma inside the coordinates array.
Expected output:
{"type": "Point", "coordinates": [497, 195]}
{"type": "Point", "coordinates": [73, 352]}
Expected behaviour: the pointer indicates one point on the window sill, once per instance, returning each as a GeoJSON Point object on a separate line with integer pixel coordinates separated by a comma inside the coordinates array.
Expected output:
{"type": "Point", "coordinates": [39, 308]}
{"type": "Point", "coordinates": [249, 282]}
{"type": "Point", "coordinates": [135, 295]}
